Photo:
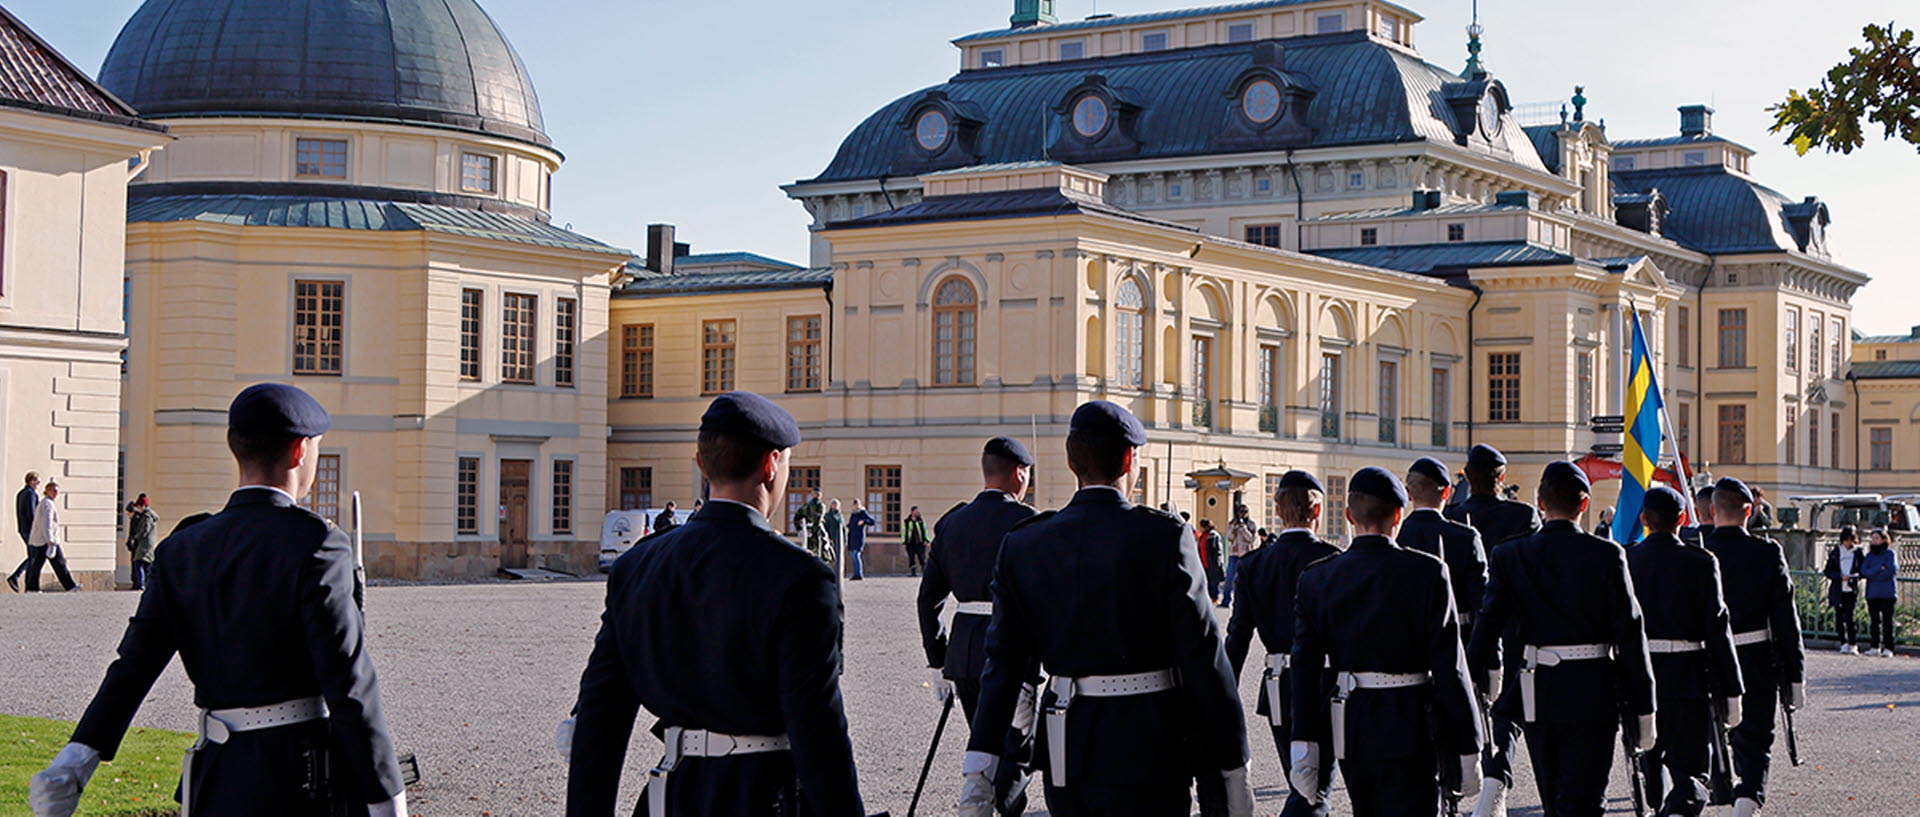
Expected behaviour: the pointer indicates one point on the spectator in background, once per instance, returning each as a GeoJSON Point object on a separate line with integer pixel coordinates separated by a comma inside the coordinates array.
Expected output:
{"type": "Point", "coordinates": [1604, 530]}
{"type": "Point", "coordinates": [665, 521]}
{"type": "Point", "coordinates": [1242, 538]}
{"type": "Point", "coordinates": [143, 526]}
{"type": "Point", "coordinates": [43, 543]}
{"type": "Point", "coordinates": [1879, 569]}
{"type": "Point", "coordinates": [23, 505]}
{"type": "Point", "coordinates": [857, 525]}
{"type": "Point", "coordinates": [834, 522]}
{"type": "Point", "coordinates": [1762, 517]}
{"type": "Point", "coordinates": [1843, 586]}
{"type": "Point", "coordinates": [1696, 533]}
{"type": "Point", "coordinates": [913, 535]}
{"type": "Point", "coordinates": [809, 519]}
{"type": "Point", "coordinates": [1266, 537]}
{"type": "Point", "coordinates": [1213, 552]}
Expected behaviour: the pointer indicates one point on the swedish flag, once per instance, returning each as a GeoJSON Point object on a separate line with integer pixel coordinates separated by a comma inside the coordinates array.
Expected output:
{"type": "Point", "coordinates": [1641, 452]}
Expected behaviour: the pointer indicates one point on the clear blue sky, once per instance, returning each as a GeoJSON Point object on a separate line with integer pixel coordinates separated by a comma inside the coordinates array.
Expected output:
{"type": "Point", "coordinates": [695, 112]}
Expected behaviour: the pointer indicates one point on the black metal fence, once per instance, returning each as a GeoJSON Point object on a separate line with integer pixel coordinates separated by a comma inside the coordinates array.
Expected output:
{"type": "Point", "coordinates": [1817, 618]}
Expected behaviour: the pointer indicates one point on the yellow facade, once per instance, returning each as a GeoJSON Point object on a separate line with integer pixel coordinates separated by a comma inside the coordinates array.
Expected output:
{"type": "Point", "coordinates": [1885, 439]}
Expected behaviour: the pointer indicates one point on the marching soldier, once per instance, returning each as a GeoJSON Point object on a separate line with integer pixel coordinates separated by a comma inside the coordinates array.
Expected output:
{"type": "Point", "coordinates": [1498, 520]}
{"type": "Point", "coordinates": [1456, 544]}
{"type": "Point", "coordinates": [1766, 636]}
{"type": "Point", "coordinates": [259, 601]}
{"type": "Point", "coordinates": [1265, 586]}
{"type": "Point", "coordinates": [1678, 586]}
{"type": "Point", "coordinates": [730, 635]}
{"type": "Point", "coordinates": [1111, 600]}
{"type": "Point", "coordinates": [1582, 662]}
{"type": "Point", "coordinates": [1696, 533]}
{"type": "Point", "coordinates": [1380, 618]}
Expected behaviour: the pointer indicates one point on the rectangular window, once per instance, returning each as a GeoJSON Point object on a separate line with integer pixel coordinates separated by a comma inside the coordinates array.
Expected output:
{"type": "Point", "coordinates": [801, 480]}
{"type": "Point", "coordinates": [1330, 395]}
{"type": "Point", "coordinates": [319, 322]}
{"type": "Point", "coordinates": [1074, 50]}
{"type": "Point", "coordinates": [470, 334]}
{"type": "Point", "coordinates": [1503, 387]}
{"type": "Point", "coordinates": [1268, 518]}
{"type": "Point", "coordinates": [1389, 401]}
{"type": "Point", "coordinates": [1270, 375]}
{"type": "Point", "coordinates": [1623, 162]}
{"type": "Point", "coordinates": [1880, 448]}
{"type": "Point", "coordinates": [1733, 338]}
{"type": "Point", "coordinates": [1389, 28]}
{"type": "Point", "coordinates": [1442, 410]}
{"type": "Point", "coordinates": [636, 489]}
{"type": "Point", "coordinates": [566, 328]}
{"type": "Point", "coordinates": [1816, 343]}
{"type": "Point", "coordinates": [1239, 32]}
{"type": "Point", "coordinates": [516, 337]}
{"type": "Point", "coordinates": [563, 496]}
{"type": "Point", "coordinates": [1330, 23]}
{"type": "Point", "coordinates": [1693, 158]}
{"type": "Point", "coordinates": [883, 496]}
{"type": "Point", "coordinates": [1792, 337]}
{"type": "Point", "coordinates": [1684, 335]}
{"type": "Point", "coordinates": [1336, 509]}
{"type": "Point", "coordinates": [1583, 387]}
{"type": "Point", "coordinates": [1792, 436]}
{"type": "Point", "coordinates": [1156, 41]}
{"type": "Point", "coordinates": [1265, 235]}
{"type": "Point", "coordinates": [636, 360]}
{"type": "Point", "coordinates": [1834, 429]}
{"type": "Point", "coordinates": [466, 513]}
{"type": "Point", "coordinates": [1683, 428]}
{"type": "Point", "coordinates": [1813, 438]}
{"type": "Point", "coordinates": [324, 498]}
{"type": "Point", "coordinates": [1369, 236]}
{"type": "Point", "coordinates": [476, 173]}
{"type": "Point", "coordinates": [1356, 179]}
{"type": "Point", "coordinates": [1203, 381]}
{"type": "Point", "coordinates": [320, 158]}
{"type": "Point", "coordinates": [993, 58]}
{"type": "Point", "coordinates": [803, 353]}
{"type": "Point", "coordinates": [1140, 482]}
{"type": "Point", "coordinates": [1456, 232]}
{"type": "Point", "coordinates": [1834, 340]}
{"type": "Point", "coordinates": [716, 356]}
{"type": "Point", "coordinates": [1733, 435]}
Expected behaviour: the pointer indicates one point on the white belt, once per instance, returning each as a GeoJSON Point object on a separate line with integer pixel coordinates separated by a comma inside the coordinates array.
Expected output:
{"type": "Point", "coordinates": [1344, 685]}
{"type": "Point", "coordinates": [1749, 638]}
{"type": "Point", "coordinates": [974, 608]}
{"type": "Point", "coordinates": [1667, 645]}
{"type": "Point", "coordinates": [217, 725]}
{"type": "Point", "coordinates": [684, 743]}
{"type": "Point", "coordinates": [1535, 657]}
{"type": "Point", "coordinates": [1092, 686]}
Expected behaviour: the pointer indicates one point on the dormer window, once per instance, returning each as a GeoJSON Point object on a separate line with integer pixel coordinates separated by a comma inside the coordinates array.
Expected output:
{"type": "Point", "coordinates": [1389, 27]}
{"type": "Point", "coordinates": [1239, 32]}
{"type": "Point", "coordinates": [320, 158]}
{"type": "Point", "coordinates": [993, 58]}
{"type": "Point", "coordinates": [1456, 232]}
{"type": "Point", "coordinates": [1090, 117]}
{"type": "Point", "coordinates": [1153, 41]}
{"type": "Point", "coordinates": [1694, 158]}
{"type": "Point", "coordinates": [931, 130]}
{"type": "Point", "coordinates": [1369, 236]}
{"type": "Point", "coordinates": [477, 173]}
{"type": "Point", "coordinates": [1331, 23]}
{"type": "Point", "coordinates": [1623, 163]}
{"type": "Point", "coordinates": [1074, 50]}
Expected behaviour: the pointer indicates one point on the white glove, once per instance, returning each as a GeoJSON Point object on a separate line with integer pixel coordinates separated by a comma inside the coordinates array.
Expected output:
{"type": "Point", "coordinates": [1239, 793]}
{"type": "Point", "coordinates": [563, 740]}
{"type": "Point", "coordinates": [55, 792]}
{"type": "Point", "coordinates": [1644, 740]}
{"type": "Point", "coordinates": [1734, 713]}
{"type": "Point", "coordinates": [1023, 709]}
{"type": "Point", "coordinates": [1470, 775]}
{"type": "Point", "coordinates": [942, 688]}
{"type": "Point", "coordinates": [976, 784]}
{"type": "Point", "coordinates": [397, 807]}
{"type": "Point", "coordinates": [1305, 774]}
{"type": "Point", "coordinates": [1796, 696]}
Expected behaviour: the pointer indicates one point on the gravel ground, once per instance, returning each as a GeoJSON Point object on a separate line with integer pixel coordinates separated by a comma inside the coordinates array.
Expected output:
{"type": "Point", "coordinates": [476, 676]}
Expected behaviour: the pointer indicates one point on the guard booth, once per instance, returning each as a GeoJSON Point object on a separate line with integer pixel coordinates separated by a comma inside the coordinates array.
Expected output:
{"type": "Point", "coordinates": [1216, 491]}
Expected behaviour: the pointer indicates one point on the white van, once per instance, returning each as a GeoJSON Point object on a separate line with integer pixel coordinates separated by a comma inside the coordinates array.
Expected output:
{"type": "Point", "coordinates": [621, 529]}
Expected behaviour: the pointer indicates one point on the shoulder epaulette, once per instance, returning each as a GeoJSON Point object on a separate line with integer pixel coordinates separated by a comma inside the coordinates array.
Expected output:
{"type": "Point", "coordinates": [1148, 509]}
{"type": "Point", "coordinates": [956, 506]}
{"type": "Point", "coordinates": [1036, 518]}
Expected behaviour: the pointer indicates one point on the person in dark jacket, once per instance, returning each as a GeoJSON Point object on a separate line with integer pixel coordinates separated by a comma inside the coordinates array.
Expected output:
{"type": "Point", "coordinates": [24, 504]}
{"type": "Point", "coordinates": [1696, 532]}
{"type": "Point", "coordinates": [1110, 599]}
{"type": "Point", "coordinates": [1213, 553]}
{"type": "Point", "coordinates": [1582, 663]}
{"type": "Point", "coordinates": [1691, 644]}
{"type": "Point", "coordinates": [1458, 545]}
{"type": "Point", "coordinates": [857, 524]}
{"type": "Point", "coordinates": [142, 534]}
{"type": "Point", "coordinates": [1376, 625]}
{"type": "Point", "coordinates": [1879, 569]}
{"type": "Point", "coordinates": [914, 540]}
{"type": "Point", "coordinates": [1844, 562]}
{"type": "Point", "coordinates": [1264, 585]}
{"type": "Point", "coordinates": [1766, 635]}
{"type": "Point", "coordinates": [747, 693]}
{"type": "Point", "coordinates": [260, 603]}
{"type": "Point", "coordinates": [666, 520]}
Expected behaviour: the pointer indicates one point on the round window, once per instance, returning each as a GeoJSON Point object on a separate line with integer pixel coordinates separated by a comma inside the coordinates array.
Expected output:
{"type": "Point", "coordinates": [931, 130]}
{"type": "Point", "coordinates": [1090, 116]}
{"type": "Point", "coordinates": [1261, 101]}
{"type": "Point", "coordinates": [1490, 122]}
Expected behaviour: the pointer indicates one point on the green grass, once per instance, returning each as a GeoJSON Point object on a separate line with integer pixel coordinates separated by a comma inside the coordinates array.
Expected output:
{"type": "Point", "coordinates": [139, 783]}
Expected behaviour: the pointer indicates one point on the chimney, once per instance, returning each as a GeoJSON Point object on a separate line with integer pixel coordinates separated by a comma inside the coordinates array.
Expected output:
{"type": "Point", "coordinates": [1032, 13]}
{"type": "Point", "coordinates": [660, 248]}
{"type": "Point", "coordinates": [1425, 200]}
{"type": "Point", "coordinates": [1696, 121]}
{"type": "Point", "coordinates": [1916, 332]}
{"type": "Point", "coordinates": [1517, 198]}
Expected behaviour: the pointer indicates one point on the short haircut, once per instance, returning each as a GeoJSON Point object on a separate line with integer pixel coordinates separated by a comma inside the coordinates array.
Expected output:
{"type": "Point", "coordinates": [1422, 489]}
{"type": "Point", "coordinates": [264, 452]}
{"type": "Point", "coordinates": [1370, 511]}
{"type": "Point", "coordinates": [1561, 498]}
{"type": "Point", "coordinates": [54, 486]}
{"type": "Point", "coordinates": [1294, 504]}
{"type": "Point", "coordinates": [1849, 533]}
{"type": "Point", "coordinates": [33, 476]}
{"type": "Point", "coordinates": [995, 466]}
{"type": "Point", "coordinates": [730, 459]}
{"type": "Point", "coordinates": [1097, 459]}
{"type": "Point", "coordinates": [1661, 519]}
{"type": "Point", "coordinates": [1206, 523]}
{"type": "Point", "coordinates": [1728, 505]}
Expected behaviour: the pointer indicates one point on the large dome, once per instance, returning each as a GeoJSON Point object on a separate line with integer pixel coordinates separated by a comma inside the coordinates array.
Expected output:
{"type": "Point", "coordinates": [437, 62]}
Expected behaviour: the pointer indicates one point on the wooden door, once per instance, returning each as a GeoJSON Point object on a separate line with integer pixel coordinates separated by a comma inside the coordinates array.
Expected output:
{"type": "Point", "coordinates": [515, 484]}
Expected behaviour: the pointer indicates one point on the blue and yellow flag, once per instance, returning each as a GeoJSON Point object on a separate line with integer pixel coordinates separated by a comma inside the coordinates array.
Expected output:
{"type": "Point", "coordinates": [1641, 452]}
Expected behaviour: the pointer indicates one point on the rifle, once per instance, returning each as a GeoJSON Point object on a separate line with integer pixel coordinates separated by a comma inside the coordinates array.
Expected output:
{"type": "Point", "coordinates": [409, 765]}
{"type": "Point", "coordinates": [1786, 716]}
{"type": "Point", "coordinates": [1636, 776]}
{"type": "Point", "coordinates": [1720, 774]}
{"type": "Point", "coordinates": [939, 729]}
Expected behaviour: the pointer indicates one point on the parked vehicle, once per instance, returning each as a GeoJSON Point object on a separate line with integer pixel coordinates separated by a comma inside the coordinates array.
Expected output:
{"type": "Point", "coordinates": [621, 529]}
{"type": "Point", "coordinates": [1864, 511]}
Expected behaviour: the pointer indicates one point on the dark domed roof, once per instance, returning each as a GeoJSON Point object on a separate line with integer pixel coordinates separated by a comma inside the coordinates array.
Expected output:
{"type": "Point", "coordinates": [438, 62]}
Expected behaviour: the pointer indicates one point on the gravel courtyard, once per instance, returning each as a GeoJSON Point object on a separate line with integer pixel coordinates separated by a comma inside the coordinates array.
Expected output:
{"type": "Point", "coordinates": [476, 676]}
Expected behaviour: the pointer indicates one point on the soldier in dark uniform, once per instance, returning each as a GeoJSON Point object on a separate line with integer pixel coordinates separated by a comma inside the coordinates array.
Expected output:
{"type": "Point", "coordinates": [1111, 600]}
{"type": "Point", "coordinates": [1678, 586]}
{"type": "Point", "coordinates": [1498, 520]}
{"type": "Point", "coordinates": [1583, 662]}
{"type": "Point", "coordinates": [730, 635]}
{"type": "Point", "coordinates": [1456, 544]}
{"type": "Point", "coordinates": [1696, 532]}
{"type": "Point", "coordinates": [260, 601]}
{"type": "Point", "coordinates": [1379, 618]}
{"type": "Point", "coordinates": [1264, 586]}
{"type": "Point", "coordinates": [1766, 636]}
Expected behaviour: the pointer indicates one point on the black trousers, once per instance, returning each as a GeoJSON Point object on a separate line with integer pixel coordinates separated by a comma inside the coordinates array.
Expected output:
{"type": "Point", "coordinates": [1496, 761]}
{"type": "Point", "coordinates": [1096, 800]}
{"type": "Point", "coordinates": [1752, 741]}
{"type": "Point", "coordinates": [1880, 621]}
{"type": "Point", "coordinates": [293, 768]}
{"type": "Point", "coordinates": [1571, 763]}
{"type": "Point", "coordinates": [757, 785]}
{"type": "Point", "coordinates": [1682, 747]}
{"type": "Point", "coordinates": [916, 558]}
{"type": "Point", "coordinates": [1400, 787]}
{"type": "Point", "coordinates": [1296, 805]}
{"type": "Point", "coordinates": [38, 557]}
{"type": "Point", "coordinates": [1843, 621]}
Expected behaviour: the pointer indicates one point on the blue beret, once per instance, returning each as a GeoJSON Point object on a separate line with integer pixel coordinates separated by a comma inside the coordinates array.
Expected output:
{"type": "Point", "coordinates": [1484, 457]}
{"type": "Point", "coordinates": [1378, 483]}
{"type": "Point", "coordinates": [1663, 500]}
{"type": "Point", "coordinates": [1102, 420]}
{"type": "Point", "coordinates": [1009, 448]}
{"type": "Point", "coordinates": [1431, 469]}
{"type": "Point", "coordinates": [1301, 479]}
{"type": "Point", "coordinates": [266, 410]}
{"type": "Point", "coordinates": [1564, 475]}
{"type": "Point", "coordinates": [747, 415]}
{"type": "Point", "coordinates": [1734, 486]}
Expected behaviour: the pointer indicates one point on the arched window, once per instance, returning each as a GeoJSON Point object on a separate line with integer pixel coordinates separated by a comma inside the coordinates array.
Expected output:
{"type": "Point", "coordinates": [955, 316]}
{"type": "Point", "coordinates": [1130, 333]}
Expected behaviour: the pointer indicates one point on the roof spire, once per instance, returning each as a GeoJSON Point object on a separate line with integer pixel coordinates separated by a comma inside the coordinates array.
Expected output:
{"type": "Point", "coordinates": [1033, 12]}
{"type": "Point", "coordinates": [1474, 70]}
{"type": "Point", "coordinates": [1579, 103]}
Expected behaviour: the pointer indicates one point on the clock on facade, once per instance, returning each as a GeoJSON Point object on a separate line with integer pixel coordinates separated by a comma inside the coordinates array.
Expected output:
{"type": "Point", "coordinates": [1489, 117]}
{"type": "Point", "coordinates": [1090, 116]}
{"type": "Point", "coordinates": [1260, 102]}
{"type": "Point", "coordinates": [931, 130]}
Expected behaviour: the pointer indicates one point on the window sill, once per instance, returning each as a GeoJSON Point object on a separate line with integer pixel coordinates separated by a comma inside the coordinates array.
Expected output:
{"type": "Point", "coordinates": [319, 374]}
{"type": "Point", "coordinates": [803, 391]}
{"type": "Point", "coordinates": [636, 397]}
{"type": "Point", "coordinates": [1734, 369]}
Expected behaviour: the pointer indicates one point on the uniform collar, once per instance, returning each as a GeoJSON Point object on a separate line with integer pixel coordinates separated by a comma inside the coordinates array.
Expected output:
{"type": "Point", "coordinates": [261, 494]}
{"type": "Point", "coordinates": [1564, 523]}
{"type": "Point", "coordinates": [1370, 541]}
{"type": "Point", "coordinates": [1307, 532]}
{"type": "Point", "coordinates": [719, 509]}
{"type": "Point", "coordinates": [1661, 538]}
{"type": "Point", "coordinates": [993, 495]}
{"type": "Point", "coordinates": [1098, 495]}
{"type": "Point", "coordinates": [1434, 511]}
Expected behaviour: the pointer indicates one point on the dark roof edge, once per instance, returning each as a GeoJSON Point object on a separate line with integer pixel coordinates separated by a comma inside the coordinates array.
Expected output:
{"type": "Point", "coordinates": [511, 134]}
{"type": "Point", "coordinates": [73, 113]}
{"type": "Point", "coordinates": [323, 190]}
{"type": "Point", "coordinates": [825, 283]}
